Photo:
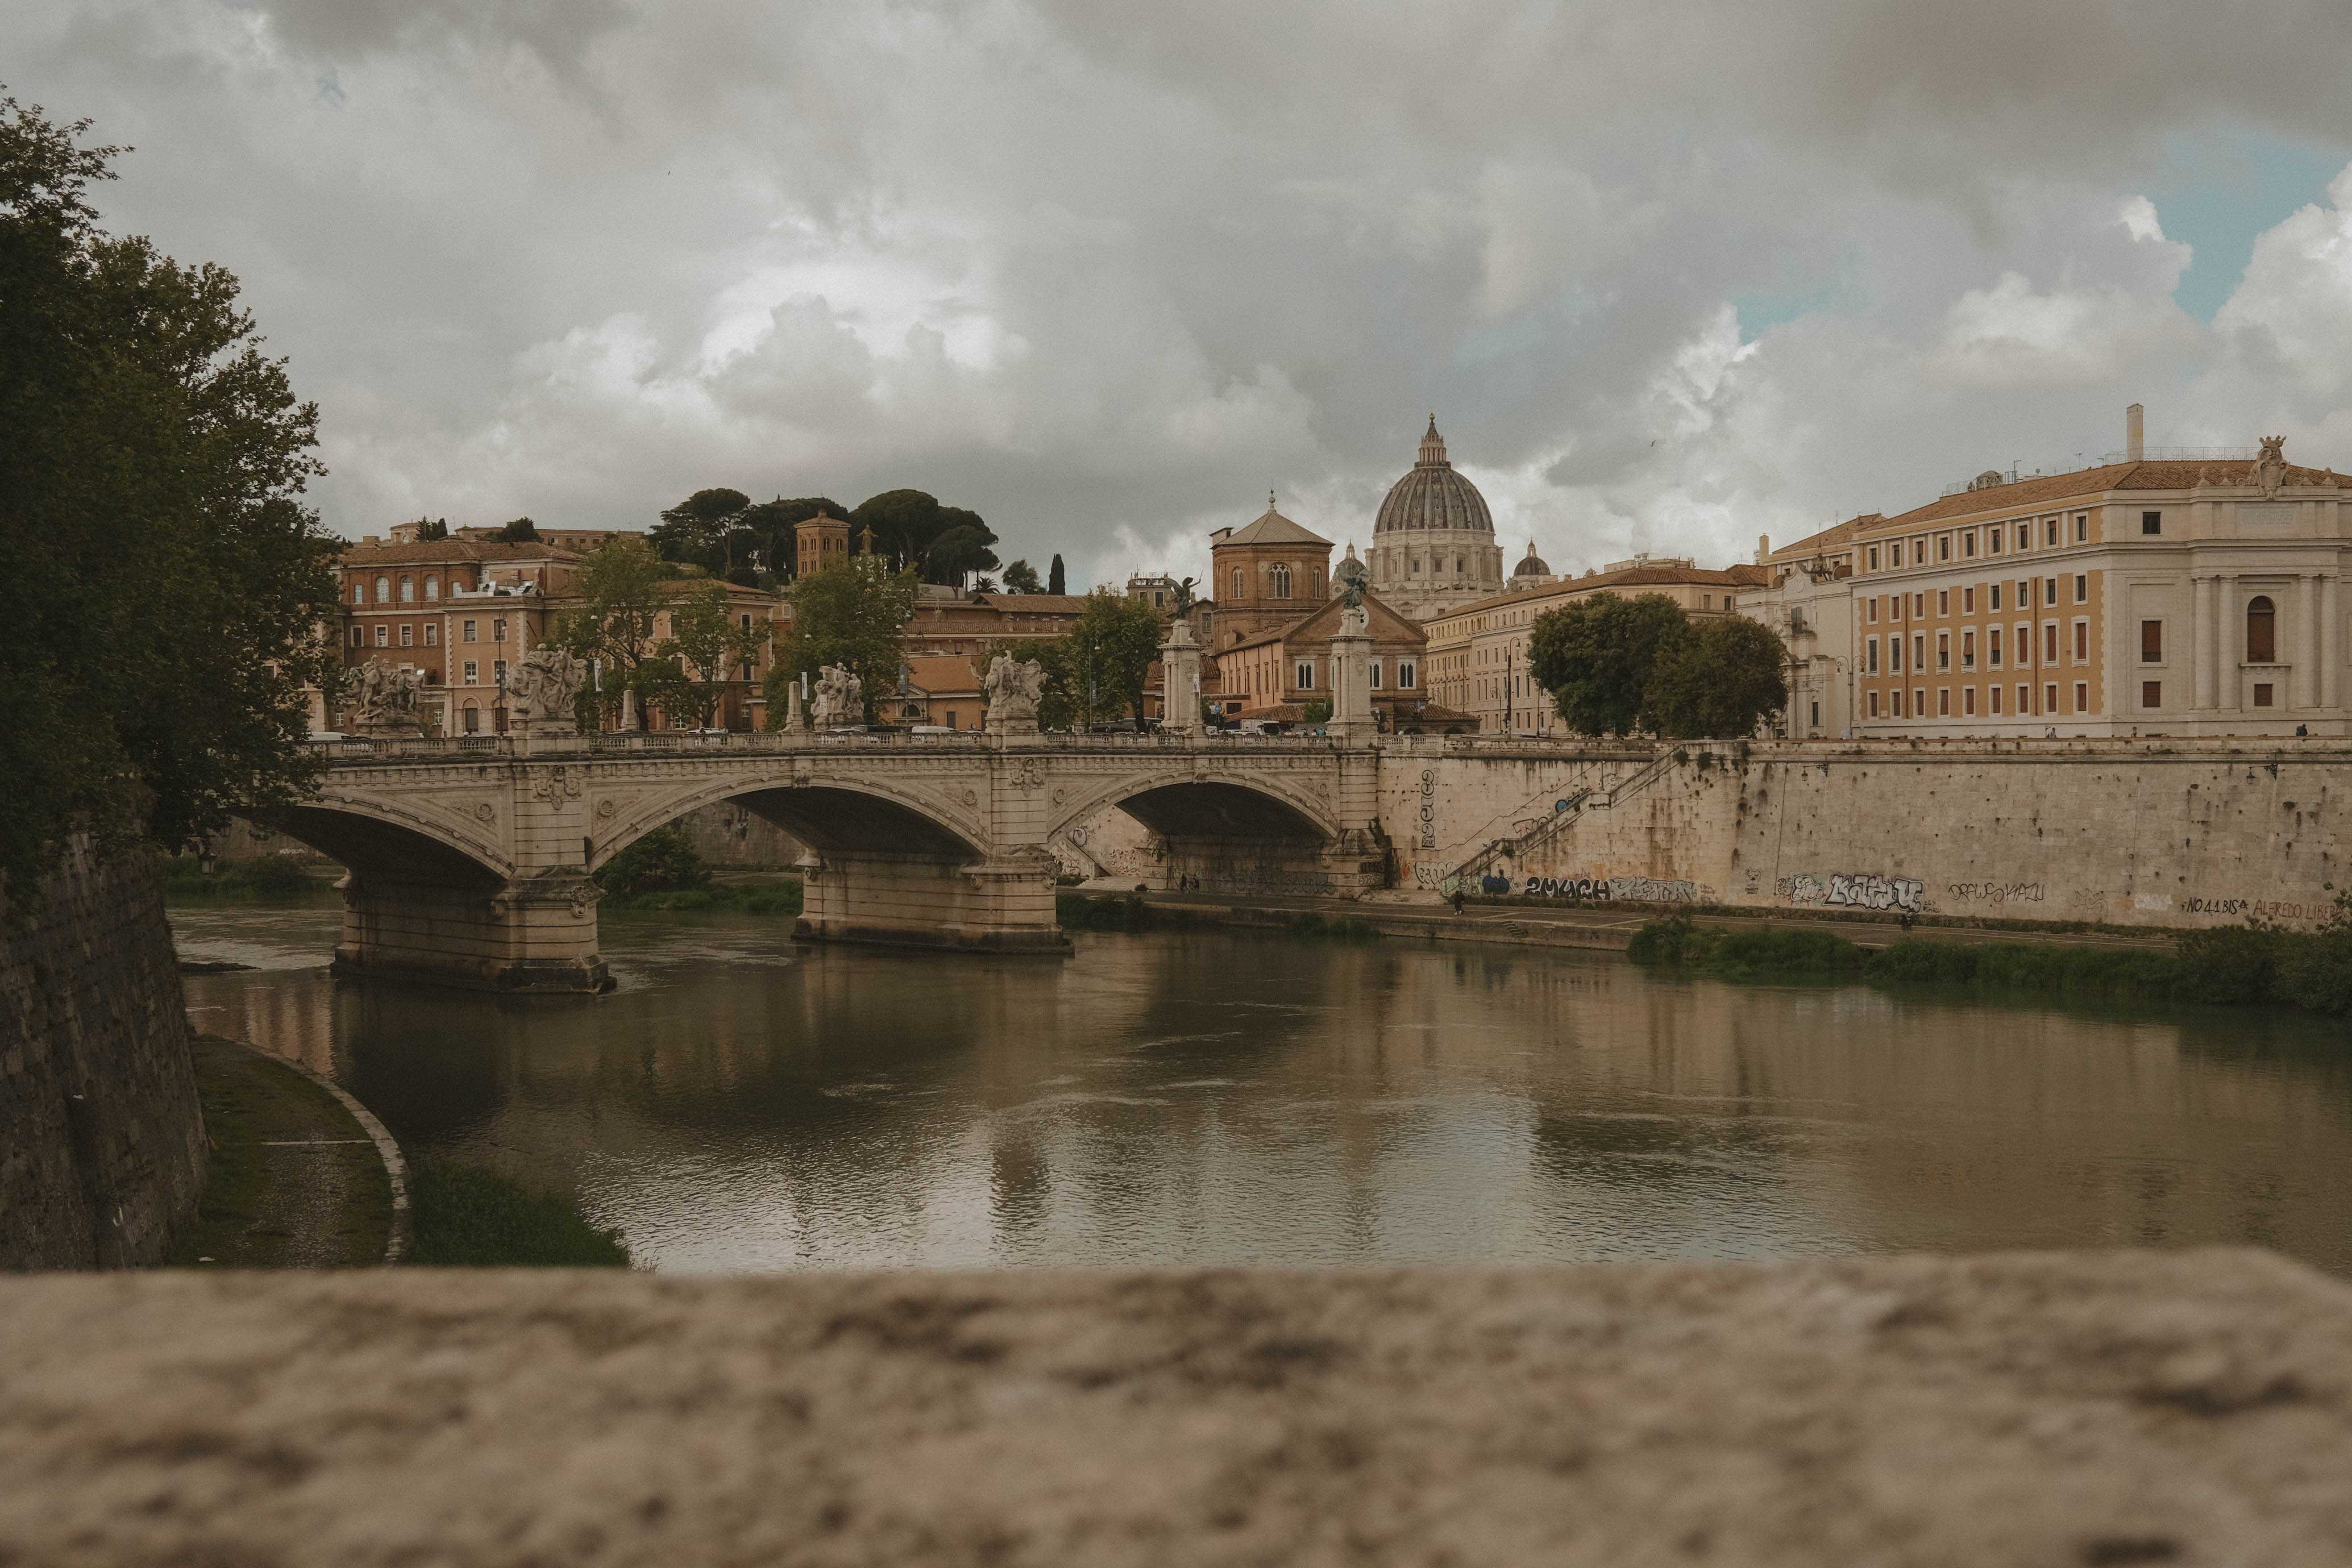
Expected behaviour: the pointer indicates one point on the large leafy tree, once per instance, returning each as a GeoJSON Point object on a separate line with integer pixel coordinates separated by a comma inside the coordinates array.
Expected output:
{"type": "Point", "coordinates": [1718, 682]}
{"type": "Point", "coordinates": [773, 526]}
{"type": "Point", "coordinates": [622, 588]}
{"type": "Point", "coordinates": [943, 543]}
{"type": "Point", "coordinates": [1595, 657]}
{"type": "Point", "coordinates": [705, 633]}
{"type": "Point", "coordinates": [855, 613]}
{"type": "Point", "coordinates": [521, 531]}
{"type": "Point", "coordinates": [166, 587]}
{"type": "Point", "coordinates": [1021, 578]}
{"type": "Point", "coordinates": [1106, 656]}
{"type": "Point", "coordinates": [431, 530]}
{"type": "Point", "coordinates": [698, 530]}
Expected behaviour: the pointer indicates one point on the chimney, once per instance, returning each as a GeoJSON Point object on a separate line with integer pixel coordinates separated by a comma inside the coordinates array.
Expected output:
{"type": "Point", "coordinates": [2135, 437]}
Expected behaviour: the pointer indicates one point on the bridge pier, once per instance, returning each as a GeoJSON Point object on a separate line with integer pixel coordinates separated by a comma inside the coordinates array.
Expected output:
{"type": "Point", "coordinates": [998, 905]}
{"type": "Point", "coordinates": [1353, 864]}
{"type": "Point", "coordinates": [528, 933]}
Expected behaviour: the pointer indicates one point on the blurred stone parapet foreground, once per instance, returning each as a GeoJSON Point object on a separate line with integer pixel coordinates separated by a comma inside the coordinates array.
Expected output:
{"type": "Point", "coordinates": [2062, 1409]}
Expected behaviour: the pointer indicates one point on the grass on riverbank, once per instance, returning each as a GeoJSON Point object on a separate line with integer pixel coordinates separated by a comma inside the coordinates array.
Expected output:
{"type": "Point", "coordinates": [2231, 965]}
{"type": "Point", "coordinates": [1128, 912]}
{"type": "Point", "coordinates": [184, 877]}
{"type": "Point", "coordinates": [779, 897]}
{"type": "Point", "coordinates": [472, 1218]}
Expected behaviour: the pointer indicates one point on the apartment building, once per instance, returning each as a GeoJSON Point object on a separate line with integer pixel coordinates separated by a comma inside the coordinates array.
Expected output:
{"type": "Point", "coordinates": [2166, 593]}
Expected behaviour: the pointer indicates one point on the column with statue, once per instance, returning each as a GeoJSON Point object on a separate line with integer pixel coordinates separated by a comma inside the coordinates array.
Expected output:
{"type": "Point", "coordinates": [1351, 656]}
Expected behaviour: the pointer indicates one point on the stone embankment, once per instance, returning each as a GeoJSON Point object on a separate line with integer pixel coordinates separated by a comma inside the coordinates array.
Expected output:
{"type": "Point", "coordinates": [2061, 1410]}
{"type": "Point", "coordinates": [101, 1141]}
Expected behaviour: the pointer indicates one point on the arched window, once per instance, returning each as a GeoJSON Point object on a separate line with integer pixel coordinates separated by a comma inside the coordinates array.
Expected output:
{"type": "Point", "coordinates": [2262, 631]}
{"type": "Point", "coordinates": [383, 591]}
{"type": "Point", "coordinates": [432, 590]}
{"type": "Point", "coordinates": [1238, 580]}
{"type": "Point", "coordinates": [409, 590]}
{"type": "Point", "coordinates": [1281, 581]}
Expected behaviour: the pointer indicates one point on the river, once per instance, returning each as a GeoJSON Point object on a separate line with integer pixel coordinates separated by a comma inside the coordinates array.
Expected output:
{"type": "Point", "coordinates": [1226, 1098]}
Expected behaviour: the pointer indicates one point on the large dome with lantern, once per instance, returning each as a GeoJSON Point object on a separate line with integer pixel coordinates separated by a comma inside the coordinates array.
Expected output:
{"type": "Point", "coordinates": [1433, 545]}
{"type": "Point", "coordinates": [1432, 496]}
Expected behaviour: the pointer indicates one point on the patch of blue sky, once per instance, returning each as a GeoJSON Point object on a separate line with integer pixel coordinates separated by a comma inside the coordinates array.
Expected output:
{"type": "Point", "coordinates": [1762, 310]}
{"type": "Point", "coordinates": [2218, 191]}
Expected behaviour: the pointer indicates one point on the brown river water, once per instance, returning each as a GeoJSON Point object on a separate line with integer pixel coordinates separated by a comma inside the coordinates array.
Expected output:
{"type": "Point", "coordinates": [1226, 1098]}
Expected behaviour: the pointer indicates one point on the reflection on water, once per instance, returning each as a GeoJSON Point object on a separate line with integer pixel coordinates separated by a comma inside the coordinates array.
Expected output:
{"type": "Point", "coordinates": [1215, 1098]}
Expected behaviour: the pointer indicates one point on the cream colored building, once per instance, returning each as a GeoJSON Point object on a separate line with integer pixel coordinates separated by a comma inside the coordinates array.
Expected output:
{"type": "Point", "coordinates": [1478, 655]}
{"type": "Point", "coordinates": [2160, 594]}
{"type": "Point", "coordinates": [1808, 603]}
{"type": "Point", "coordinates": [1433, 548]}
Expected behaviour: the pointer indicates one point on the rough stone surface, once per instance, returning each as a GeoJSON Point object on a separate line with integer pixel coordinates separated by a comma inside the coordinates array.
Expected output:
{"type": "Point", "coordinates": [101, 1140]}
{"type": "Point", "coordinates": [2063, 1410]}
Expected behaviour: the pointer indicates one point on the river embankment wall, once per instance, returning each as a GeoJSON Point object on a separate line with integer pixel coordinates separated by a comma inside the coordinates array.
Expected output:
{"type": "Point", "coordinates": [101, 1138]}
{"type": "Point", "coordinates": [2174, 834]}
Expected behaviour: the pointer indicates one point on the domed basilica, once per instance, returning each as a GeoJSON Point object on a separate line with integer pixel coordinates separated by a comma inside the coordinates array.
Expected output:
{"type": "Point", "coordinates": [1434, 546]}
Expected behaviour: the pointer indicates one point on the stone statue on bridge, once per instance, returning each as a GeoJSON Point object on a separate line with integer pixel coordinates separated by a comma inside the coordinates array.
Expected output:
{"type": "Point", "coordinates": [544, 688]}
{"type": "Point", "coordinates": [1013, 688]}
{"type": "Point", "coordinates": [383, 699]}
{"type": "Point", "coordinates": [840, 702]}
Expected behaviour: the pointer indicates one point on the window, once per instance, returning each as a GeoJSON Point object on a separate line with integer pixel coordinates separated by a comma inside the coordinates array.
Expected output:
{"type": "Point", "coordinates": [1918, 702]}
{"type": "Point", "coordinates": [359, 593]}
{"type": "Point", "coordinates": [1894, 654]}
{"type": "Point", "coordinates": [2082, 589]}
{"type": "Point", "coordinates": [1376, 674]}
{"type": "Point", "coordinates": [1943, 702]}
{"type": "Point", "coordinates": [1944, 547]}
{"type": "Point", "coordinates": [2081, 527]}
{"type": "Point", "coordinates": [409, 590]}
{"type": "Point", "coordinates": [473, 719]}
{"type": "Point", "coordinates": [2050, 532]}
{"type": "Point", "coordinates": [2262, 694]}
{"type": "Point", "coordinates": [1404, 674]}
{"type": "Point", "coordinates": [2024, 535]}
{"type": "Point", "coordinates": [498, 629]}
{"type": "Point", "coordinates": [1874, 704]}
{"type": "Point", "coordinates": [432, 634]}
{"type": "Point", "coordinates": [2082, 642]}
{"type": "Point", "coordinates": [1992, 649]}
{"type": "Point", "coordinates": [1918, 650]}
{"type": "Point", "coordinates": [2262, 631]}
{"type": "Point", "coordinates": [1894, 553]}
{"type": "Point", "coordinates": [1281, 580]}
{"type": "Point", "coordinates": [2050, 698]}
{"type": "Point", "coordinates": [469, 628]}
{"type": "Point", "coordinates": [381, 635]}
{"type": "Point", "coordinates": [2024, 645]}
{"type": "Point", "coordinates": [473, 672]}
{"type": "Point", "coordinates": [1943, 602]}
{"type": "Point", "coordinates": [1706, 602]}
{"type": "Point", "coordinates": [1992, 540]}
{"type": "Point", "coordinates": [408, 636]}
{"type": "Point", "coordinates": [1898, 702]}
{"type": "Point", "coordinates": [1306, 675]}
{"type": "Point", "coordinates": [2049, 590]}
{"type": "Point", "coordinates": [2024, 700]}
{"type": "Point", "coordinates": [1967, 600]}
{"type": "Point", "coordinates": [1996, 596]}
{"type": "Point", "coordinates": [1918, 605]}
{"type": "Point", "coordinates": [1968, 544]}
{"type": "Point", "coordinates": [2152, 522]}
{"type": "Point", "coordinates": [1968, 650]}
{"type": "Point", "coordinates": [2151, 694]}
{"type": "Point", "coordinates": [1968, 702]}
{"type": "Point", "coordinates": [1992, 695]}
{"type": "Point", "coordinates": [1943, 650]}
{"type": "Point", "coordinates": [359, 636]}
{"type": "Point", "coordinates": [2082, 697]}
{"type": "Point", "coordinates": [1237, 584]}
{"type": "Point", "coordinates": [1870, 610]}
{"type": "Point", "coordinates": [1870, 657]}
{"type": "Point", "coordinates": [2050, 642]}
{"type": "Point", "coordinates": [432, 590]}
{"type": "Point", "coordinates": [498, 672]}
{"type": "Point", "coordinates": [1873, 557]}
{"type": "Point", "coordinates": [1817, 716]}
{"type": "Point", "coordinates": [2151, 642]}
{"type": "Point", "coordinates": [383, 591]}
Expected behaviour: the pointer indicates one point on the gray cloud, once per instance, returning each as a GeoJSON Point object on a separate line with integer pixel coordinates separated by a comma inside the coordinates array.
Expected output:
{"type": "Point", "coordinates": [1109, 273]}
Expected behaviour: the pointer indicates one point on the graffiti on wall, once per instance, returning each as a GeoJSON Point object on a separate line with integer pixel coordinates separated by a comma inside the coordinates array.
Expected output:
{"type": "Point", "coordinates": [1614, 889]}
{"type": "Point", "coordinates": [1852, 890]}
{"type": "Point", "coordinates": [1429, 808]}
{"type": "Point", "coordinates": [1997, 891]}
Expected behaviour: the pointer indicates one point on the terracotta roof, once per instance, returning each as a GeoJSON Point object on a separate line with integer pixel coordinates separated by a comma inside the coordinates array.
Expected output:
{"type": "Point", "coordinates": [1830, 538]}
{"type": "Point", "coordinates": [438, 551]}
{"type": "Point", "coordinates": [1271, 529]}
{"type": "Point", "coordinates": [2043, 490]}
{"type": "Point", "coordinates": [1292, 627]}
{"type": "Point", "coordinates": [1032, 603]}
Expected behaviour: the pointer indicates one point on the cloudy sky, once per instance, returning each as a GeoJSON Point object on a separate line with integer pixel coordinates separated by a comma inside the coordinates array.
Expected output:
{"type": "Point", "coordinates": [1672, 273]}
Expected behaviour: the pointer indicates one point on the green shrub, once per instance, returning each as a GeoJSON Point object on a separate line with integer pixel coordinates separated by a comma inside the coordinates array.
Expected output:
{"type": "Point", "coordinates": [268, 876]}
{"type": "Point", "coordinates": [472, 1218]}
{"type": "Point", "coordinates": [663, 860]}
{"type": "Point", "coordinates": [768, 898]}
{"type": "Point", "coordinates": [2231, 963]}
{"type": "Point", "coordinates": [1316, 927]}
{"type": "Point", "coordinates": [1078, 912]}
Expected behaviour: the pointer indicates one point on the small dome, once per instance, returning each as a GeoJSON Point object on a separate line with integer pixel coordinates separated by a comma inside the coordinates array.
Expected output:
{"type": "Point", "coordinates": [1533, 564]}
{"type": "Point", "coordinates": [1432, 496]}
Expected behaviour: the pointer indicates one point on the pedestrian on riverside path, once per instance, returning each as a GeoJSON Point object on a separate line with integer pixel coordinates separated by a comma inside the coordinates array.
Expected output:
{"type": "Point", "coordinates": [1457, 901]}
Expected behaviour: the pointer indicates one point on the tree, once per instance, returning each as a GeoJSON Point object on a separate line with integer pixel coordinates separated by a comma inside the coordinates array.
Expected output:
{"type": "Point", "coordinates": [1021, 578]}
{"type": "Point", "coordinates": [1595, 657]}
{"type": "Point", "coordinates": [432, 530]}
{"type": "Point", "coordinates": [1316, 712]}
{"type": "Point", "coordinates": [855, 613]}
{"type": "Point", "coordinates": [621, 586]}
{"type": "Point", "coordinates": [704, 632]}
{"type": "Point", "coordinates": [166, 586]}
{"type": "Point", "coordinates": [907, 524]}
{"type": "Point", "coordinates": [521, 531]}
{"type": "Point", "coordinates": [957, 553]}
{"type": "Point", "coordinates": [700, 530]}
{"type": "Point", "coordinates": [1106, 656]}
{"type": "Point", "coordinates": [774, 525]}
{"type": "Point", "coordinates": [1056, 579]}
{"type": "Point", "coordinates": [1718, 682]}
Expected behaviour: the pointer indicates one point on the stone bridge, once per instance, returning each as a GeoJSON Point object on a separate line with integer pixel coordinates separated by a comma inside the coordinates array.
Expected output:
{"type": "Point", "coordinates": [471, 858]}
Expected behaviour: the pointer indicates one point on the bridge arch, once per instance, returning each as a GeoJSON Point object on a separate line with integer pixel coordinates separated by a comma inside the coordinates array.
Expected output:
{"type": "Point", "coordinates": [383, 840]}
{"type": "Point", "coordinates": [1176, 802]}
{"type": "Point", "coordinates": [831, 815]}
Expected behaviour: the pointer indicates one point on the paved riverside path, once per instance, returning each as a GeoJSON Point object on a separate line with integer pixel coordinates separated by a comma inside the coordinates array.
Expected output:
{"type": "Point", "coordinates": [2049, 1410]}
{"type": "Point", "coordinates": [1600, 926]}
